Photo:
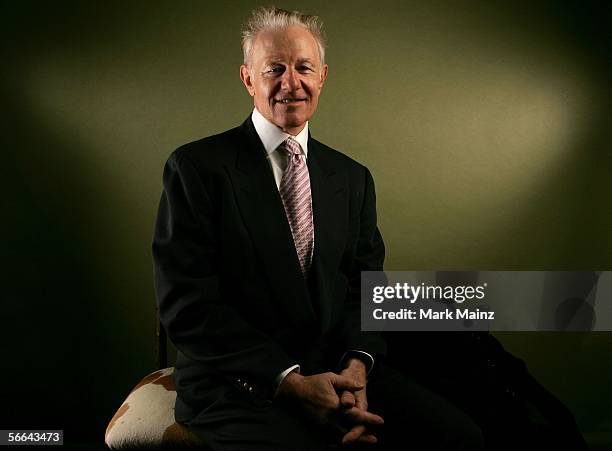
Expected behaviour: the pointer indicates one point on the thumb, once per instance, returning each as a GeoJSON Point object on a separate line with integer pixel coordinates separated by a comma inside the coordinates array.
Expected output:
{"type": "Point", "coordinates": [341, 382]}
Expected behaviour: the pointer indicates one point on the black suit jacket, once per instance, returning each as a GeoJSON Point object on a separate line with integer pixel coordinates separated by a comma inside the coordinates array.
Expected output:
{"type": "Point", "coordinates": [229, 287]}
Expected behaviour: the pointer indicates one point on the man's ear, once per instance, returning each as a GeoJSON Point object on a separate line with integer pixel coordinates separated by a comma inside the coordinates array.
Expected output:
{"type": "Point", "coordinates": [245, 76]}
{"type": "Point", "coordinates": [323, 75]}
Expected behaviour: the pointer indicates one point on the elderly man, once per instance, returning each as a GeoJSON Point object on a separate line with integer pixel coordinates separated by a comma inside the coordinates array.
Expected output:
{"type": "Point", "coordinates": [261, 236]}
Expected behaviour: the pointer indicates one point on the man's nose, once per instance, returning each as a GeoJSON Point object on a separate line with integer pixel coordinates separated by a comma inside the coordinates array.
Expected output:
{"type": "Point", "coordinates": [291, 79]}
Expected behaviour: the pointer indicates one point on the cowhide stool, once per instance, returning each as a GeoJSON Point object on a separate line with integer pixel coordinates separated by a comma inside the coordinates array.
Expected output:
{"type": "Point", "coordinates": [145, 420]}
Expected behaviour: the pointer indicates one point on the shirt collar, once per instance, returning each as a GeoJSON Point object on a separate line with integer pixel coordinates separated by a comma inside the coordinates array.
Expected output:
{"type": "Point", "coordinates": [272, 136]}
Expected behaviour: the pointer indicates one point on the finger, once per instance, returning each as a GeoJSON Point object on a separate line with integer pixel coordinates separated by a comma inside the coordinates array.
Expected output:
{"type": "Point", "coordinates": [354, 434]}
{"type": "Point", "coordinates": [360, 416]}
{"type": "Point", "coordinates": [367, 438]}
{"type": "Point", "coordinates": [361, 401]}
{"type": "Point", "coordinates": [346, 383]}
{"type": "Point", "coordinates": [347, 399]}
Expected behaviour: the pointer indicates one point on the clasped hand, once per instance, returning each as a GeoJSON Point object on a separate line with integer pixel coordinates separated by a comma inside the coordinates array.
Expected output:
{"type": "Point", "coordinates": [335, 400]}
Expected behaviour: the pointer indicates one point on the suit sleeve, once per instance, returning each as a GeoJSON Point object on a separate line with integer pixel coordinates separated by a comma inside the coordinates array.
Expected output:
{"type": "Point", "coordinates": [200, 323]}
{"type": "Point", "coordinates": [369, 255]}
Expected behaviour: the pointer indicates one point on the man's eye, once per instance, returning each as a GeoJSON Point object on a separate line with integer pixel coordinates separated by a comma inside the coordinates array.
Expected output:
{"type": "Point", "coordinates": [305, 69]}
{"type": "Point", "coordinates": [277, 69]}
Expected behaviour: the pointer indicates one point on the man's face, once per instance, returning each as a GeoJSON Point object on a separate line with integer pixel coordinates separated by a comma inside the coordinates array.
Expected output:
{"type": "Point", "coordinates": [284, 76]}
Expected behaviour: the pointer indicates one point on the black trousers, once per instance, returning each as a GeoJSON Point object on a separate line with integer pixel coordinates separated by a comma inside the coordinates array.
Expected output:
{"type": "Point", "coordinates": [415, 419]}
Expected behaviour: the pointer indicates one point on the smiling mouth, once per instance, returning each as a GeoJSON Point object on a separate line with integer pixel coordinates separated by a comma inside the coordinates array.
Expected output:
{"type": "Point", "coordinates": [289, 100]}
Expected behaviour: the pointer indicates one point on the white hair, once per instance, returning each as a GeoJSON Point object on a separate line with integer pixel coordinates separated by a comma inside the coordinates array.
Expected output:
{"type": "Point", "coordinates": [271, 18]}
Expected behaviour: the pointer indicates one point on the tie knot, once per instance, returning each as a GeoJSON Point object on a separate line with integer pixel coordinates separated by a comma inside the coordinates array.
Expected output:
{"type": "Point", "coordinates": [293, 147]}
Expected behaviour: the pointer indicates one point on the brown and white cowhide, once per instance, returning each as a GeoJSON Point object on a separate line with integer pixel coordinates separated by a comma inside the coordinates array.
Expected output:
{"type": "Point", "coordinates": [145, 420]}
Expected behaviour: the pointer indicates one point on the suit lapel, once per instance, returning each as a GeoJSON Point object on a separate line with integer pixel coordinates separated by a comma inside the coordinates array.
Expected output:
{"type": "Point", "coordinates": [265, 219]}
{"type": "Point", "coordinates": [330, 210]}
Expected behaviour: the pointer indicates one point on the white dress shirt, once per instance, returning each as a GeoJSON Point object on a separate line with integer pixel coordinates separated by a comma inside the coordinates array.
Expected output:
{"type": "Point", "coordinates": [272, 137]}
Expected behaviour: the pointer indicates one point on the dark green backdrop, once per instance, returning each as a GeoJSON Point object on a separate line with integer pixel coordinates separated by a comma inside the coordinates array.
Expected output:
{"type": "Point", "coordinates": [486, 126]}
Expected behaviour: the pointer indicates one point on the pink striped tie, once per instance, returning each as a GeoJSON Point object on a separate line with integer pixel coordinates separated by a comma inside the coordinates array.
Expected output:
{"type": "Point", "coordinates": [295, 193]}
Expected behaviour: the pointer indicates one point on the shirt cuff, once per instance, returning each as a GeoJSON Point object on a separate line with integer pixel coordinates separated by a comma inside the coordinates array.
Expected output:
{"type": "Point", "coordinates": [281, 377]}
{"type": "Point", "coordinates": [366, 358]}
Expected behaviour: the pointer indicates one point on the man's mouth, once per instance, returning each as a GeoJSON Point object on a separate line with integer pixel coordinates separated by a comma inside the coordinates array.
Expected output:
{"type": "Point", "coordinates": [289, 100]}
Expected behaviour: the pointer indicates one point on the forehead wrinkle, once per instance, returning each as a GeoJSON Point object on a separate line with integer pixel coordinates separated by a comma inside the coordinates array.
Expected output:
{"type": "Point", "coordinates": [282, 61]}
{"type": "Point", "coordinates": [275, 60]}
